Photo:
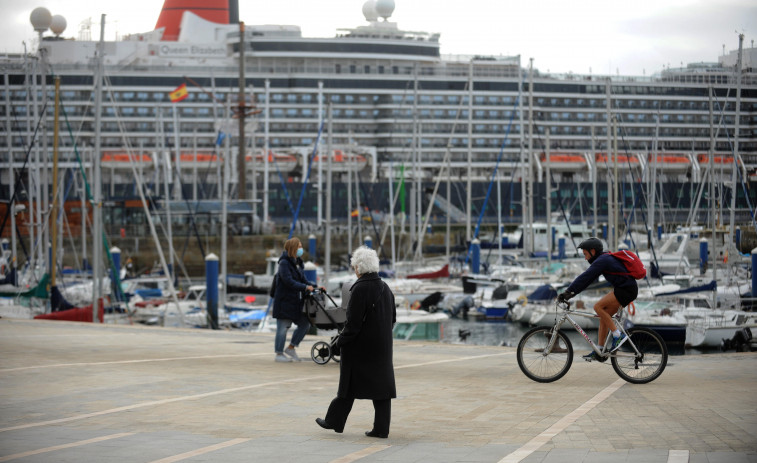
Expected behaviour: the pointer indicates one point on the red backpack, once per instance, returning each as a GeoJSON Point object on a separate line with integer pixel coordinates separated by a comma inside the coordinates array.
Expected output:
{"type": "Point", "coordinates": [633, 264]}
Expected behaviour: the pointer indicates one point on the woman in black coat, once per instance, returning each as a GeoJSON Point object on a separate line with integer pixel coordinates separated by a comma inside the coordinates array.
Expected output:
{"type": "Point", "coordinates": [366, 370]}
{"type": "Point", "coordinates": [288, 301]}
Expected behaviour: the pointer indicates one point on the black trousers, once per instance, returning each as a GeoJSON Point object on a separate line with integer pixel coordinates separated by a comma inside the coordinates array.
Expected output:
{"type": "Point", "coordinates": [340, 408]}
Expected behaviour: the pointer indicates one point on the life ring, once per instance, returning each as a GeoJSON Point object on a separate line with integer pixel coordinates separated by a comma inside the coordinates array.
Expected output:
{"type": "Point", "coordinates": [631, 308]}
{"type": "Point", "coordinates": [522, 299]}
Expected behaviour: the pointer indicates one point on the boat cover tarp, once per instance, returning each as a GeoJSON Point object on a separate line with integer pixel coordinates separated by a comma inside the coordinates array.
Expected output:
{"type": "Point", "coordinates": [79, 314]}
{"type": "Point", "coordinates": [58, 302]}
{"type": "Point", "coordinates": [39, 291]}
{"type": "Point", "coordinates": [441, 273]}
{"type": "Point", "coordinates": [543, 293]}
{"type": "Point", "coordinates": [10, 278]}
{"type": "Point", "coordinates": [711, 286]}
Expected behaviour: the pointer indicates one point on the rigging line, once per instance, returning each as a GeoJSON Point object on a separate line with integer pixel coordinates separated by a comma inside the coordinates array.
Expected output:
{"type": "Point", "coordinates": [307, 176]}
{"type": "Point", "coordinates": [736, 158]}
{"type": "Point", "coordinates": [116, 275]}
{"type": "Point", "coordinates": [494, 173]}
{"type": "Point", "coordinates": [283, 185]}
{"type": "Point", "coordinates": [444, 167]}
{"type": "Point", "coordinates": [22, 170]}
{"type": "Point", "coordinates": [153, 232]}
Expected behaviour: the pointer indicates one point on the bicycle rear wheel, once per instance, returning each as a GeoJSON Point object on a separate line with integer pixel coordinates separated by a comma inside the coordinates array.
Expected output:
{"type": "Point", "coordinates": [538, 365]}
{"type": "Point", "coordinates": [643, 368]}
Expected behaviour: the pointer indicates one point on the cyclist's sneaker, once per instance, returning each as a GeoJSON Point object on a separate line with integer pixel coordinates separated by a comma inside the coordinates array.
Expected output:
{"type": "Point", "coordinates": [616, 341]}
{"type": "Point", "coordinates": [591, 356]}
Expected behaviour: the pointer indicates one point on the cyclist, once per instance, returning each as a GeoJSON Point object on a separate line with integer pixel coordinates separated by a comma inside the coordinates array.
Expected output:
{"type": "Point", "coordinates": [624, 290]}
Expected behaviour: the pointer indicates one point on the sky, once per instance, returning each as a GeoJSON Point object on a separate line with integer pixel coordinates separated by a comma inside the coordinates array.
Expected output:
{"type": "Point", "coordinates": [638, 37]}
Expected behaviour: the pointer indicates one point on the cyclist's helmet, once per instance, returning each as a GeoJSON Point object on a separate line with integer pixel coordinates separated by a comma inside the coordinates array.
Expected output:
{"type": "Point", "coordinates": [591, 243]}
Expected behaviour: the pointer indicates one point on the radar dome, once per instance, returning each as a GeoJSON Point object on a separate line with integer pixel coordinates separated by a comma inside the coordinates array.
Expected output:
{"type": "Point", "coordinates": [369, 10]}
{"type": "Point", "coordinates": [41, 19]}
{"type": "Point", "coordinates": [384, 8]}
{"type": "Point", "coordinates": [58, 24]}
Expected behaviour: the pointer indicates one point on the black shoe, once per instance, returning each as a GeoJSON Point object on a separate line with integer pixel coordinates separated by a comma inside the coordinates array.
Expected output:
{"type": "Point", "coordinates": [322, 423]}
{"type": "Point", "coordinates": [372, 433]}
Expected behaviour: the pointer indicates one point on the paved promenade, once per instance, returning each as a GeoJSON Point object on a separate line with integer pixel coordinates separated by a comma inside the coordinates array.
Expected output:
{"type": "Point", "coordinates": [106, 393]}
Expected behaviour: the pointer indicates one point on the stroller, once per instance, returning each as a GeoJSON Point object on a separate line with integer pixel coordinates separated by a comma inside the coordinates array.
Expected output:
{"type": "Point", "coordinates": [326, 318]}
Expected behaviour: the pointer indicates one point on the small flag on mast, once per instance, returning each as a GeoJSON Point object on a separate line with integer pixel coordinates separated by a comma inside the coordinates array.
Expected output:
{"type": "Point", "coordinates": [179, 94]}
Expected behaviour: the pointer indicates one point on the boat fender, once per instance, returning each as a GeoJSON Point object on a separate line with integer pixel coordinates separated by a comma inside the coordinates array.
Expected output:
{"type": "Point", "coordinates": [631, 308]}
{"type": "Point", "coordinates": [523, 299]}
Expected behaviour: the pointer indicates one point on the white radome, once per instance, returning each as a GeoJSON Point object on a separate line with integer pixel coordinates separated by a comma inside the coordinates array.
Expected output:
{"type": "Point", "coordinates": [58, 24]}
{"type": "Point", "coordinates": [41, 19]}
{"type": "Point", "coordinates": [369, 10]}
{"type": "Point", "coordinates": [384, 8]}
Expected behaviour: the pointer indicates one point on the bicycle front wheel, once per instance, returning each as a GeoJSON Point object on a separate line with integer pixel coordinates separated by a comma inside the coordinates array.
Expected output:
{"type": "Point", "coordinates": [644, 363]}
{"type": "Point", "coordinates": [540, 365]}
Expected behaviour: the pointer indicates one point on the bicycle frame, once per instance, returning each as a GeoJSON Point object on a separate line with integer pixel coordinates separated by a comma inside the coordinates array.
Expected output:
{"type": "Point", "coordinates": [603, 351]}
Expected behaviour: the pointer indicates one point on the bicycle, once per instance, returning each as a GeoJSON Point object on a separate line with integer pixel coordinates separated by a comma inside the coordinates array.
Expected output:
{"type": "Point", "coordinates": [545, 354]}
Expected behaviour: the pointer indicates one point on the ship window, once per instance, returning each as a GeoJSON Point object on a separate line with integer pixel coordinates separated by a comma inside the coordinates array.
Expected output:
{"type": "Point", "coordinates": [367, 69]}
{"type": "Point", "coordinates": [353, 69]}
{"type": "Point", "coordinates": [381, 69]}
{"type": "Point", "coordinates": [338, 68]}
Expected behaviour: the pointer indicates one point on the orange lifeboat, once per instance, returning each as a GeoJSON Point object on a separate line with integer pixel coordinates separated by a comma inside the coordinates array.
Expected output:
{"type": "Point", "coordinates": [345, 161]}
{"type": "Point", "coordinates": [671, 162]}
{"type": "Point", "coordinates": [622, 159]}
{"type": "Point", "coordinates": [564, 161]}
{"type": "Point", "coordinates": [276, 162]}
{"type": "Point", "coordinates": [202, 159]}
{"type": "Point", "coordinates": [705, 159]}
{"type": "Point", "coordinates": [122, 160]}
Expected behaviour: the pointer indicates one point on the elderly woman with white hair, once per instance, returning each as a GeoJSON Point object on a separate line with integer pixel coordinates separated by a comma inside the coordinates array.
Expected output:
{"type": "Point", "coordinates": [366, 370]}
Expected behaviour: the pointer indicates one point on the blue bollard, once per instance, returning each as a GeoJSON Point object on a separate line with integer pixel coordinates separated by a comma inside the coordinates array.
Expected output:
{"type": "Point", "coordinates": [554, 239]}
{"type": "Point", "coordinates": [561, 248]}
{"type": "Point", "coordinates": [312, 247]}
{"type": "Point", "coordinates": [211, 289]}
{"type": "Point", "coordinates": [368, 242]}
{"type": "Point", "coordinates": [737, 237]}
{"type": "Point", "coordinates": [604, 231]}
{"type": "Point", "coordinates": [115, 253]}
{"type": "Point", "coordinates": [476, 256]}
{"type": "Point", "coordinates": [659, 232]}
{"type": "Point", "coordinates": [703, 254]}
{"type": "Point", "coordinates": [310, 272]}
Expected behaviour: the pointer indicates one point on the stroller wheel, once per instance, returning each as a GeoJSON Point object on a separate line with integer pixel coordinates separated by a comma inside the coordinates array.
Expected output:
{"type": "Point", "coordinates": [321, 353]}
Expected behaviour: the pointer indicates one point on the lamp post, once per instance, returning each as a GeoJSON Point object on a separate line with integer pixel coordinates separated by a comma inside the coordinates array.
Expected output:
{"type": "Point", "coordinates": [41, 20]}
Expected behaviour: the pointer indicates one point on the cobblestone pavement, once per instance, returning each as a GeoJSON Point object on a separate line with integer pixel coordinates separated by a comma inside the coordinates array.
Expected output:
{"type": "Point", "coordinates": [110, 393]}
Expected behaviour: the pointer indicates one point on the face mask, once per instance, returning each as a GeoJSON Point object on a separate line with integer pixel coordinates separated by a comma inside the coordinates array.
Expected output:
{"type": "Point", "coordinates": [300, 251]}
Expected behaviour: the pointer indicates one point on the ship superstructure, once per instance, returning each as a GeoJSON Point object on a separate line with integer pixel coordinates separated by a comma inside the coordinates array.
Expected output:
{"type": "Point", "coordinates": [392, 97]}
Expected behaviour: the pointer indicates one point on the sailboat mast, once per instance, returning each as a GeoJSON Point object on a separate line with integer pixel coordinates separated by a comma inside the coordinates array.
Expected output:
{"type": "Point", "coordinates": [734, 175]}
{"type": "Point", "coordinates": [97, 183]}
{"type": "Point", "coordinates": [54, 212]}
{"type": "Point", "coordinates": [242, 112]}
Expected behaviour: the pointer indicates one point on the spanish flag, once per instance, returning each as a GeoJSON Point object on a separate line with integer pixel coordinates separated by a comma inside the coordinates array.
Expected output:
{"type": "Point", "coordinates": [179, 94]}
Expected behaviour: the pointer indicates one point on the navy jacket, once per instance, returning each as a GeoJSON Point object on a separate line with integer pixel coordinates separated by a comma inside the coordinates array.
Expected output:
{"type": "Point", "coordinates": [290, 289]}
{"type": "Point", "coordinates": [603, 264]}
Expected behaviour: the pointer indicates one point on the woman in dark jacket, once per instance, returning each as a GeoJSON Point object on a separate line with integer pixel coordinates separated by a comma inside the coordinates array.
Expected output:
{"type": "Point", "coordinates": [366, 370]}
{"type": "Point", "coordinates": [288, 301]}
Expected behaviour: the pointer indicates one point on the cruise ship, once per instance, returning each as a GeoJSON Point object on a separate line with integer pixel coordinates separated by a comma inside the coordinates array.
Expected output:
{"type": "Point", "coordinates": [384, 102]}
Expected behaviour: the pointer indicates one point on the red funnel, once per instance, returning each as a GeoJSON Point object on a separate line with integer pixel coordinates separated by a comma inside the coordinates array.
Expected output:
{"type": "Point", "coordinates": [216, 11]}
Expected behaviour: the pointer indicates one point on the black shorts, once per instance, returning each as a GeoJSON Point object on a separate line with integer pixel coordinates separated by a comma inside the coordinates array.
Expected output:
{"type": "Point", "coordinates": [626, 295]}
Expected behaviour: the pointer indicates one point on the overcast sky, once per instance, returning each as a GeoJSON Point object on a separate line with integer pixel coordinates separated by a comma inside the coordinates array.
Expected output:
{"type": "Point", "coordinates": [581, 36]}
